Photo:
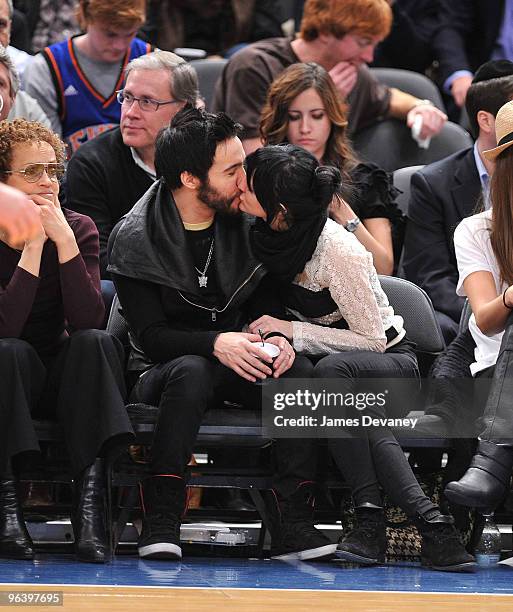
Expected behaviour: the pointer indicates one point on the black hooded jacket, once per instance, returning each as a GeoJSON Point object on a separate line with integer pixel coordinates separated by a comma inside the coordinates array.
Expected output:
{"type": "Point", "coordinates": [152, 267]}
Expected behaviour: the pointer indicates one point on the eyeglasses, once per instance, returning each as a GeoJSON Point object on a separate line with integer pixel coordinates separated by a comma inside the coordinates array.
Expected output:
{"type": "Point", "coordinates": [145, 104]}
{"type": "Point", "coordinates": [33, 172]}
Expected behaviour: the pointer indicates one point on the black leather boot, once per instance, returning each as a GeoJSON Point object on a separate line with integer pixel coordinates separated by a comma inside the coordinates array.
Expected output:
{"type": "Point", "coordinates": [486, 481]}
{"type": "Point", "coordinates": [442, 549]}
{"type": "Point", "coordinates": [15, 541]}
{"type": "Point", "coordinates": [366, 543]}
{"type": "Point", "coordinates": [88, 517]}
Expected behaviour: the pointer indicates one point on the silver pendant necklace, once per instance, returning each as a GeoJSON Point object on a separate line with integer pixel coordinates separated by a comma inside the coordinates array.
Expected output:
{"type": "Point", "coordinates": [202, 278]}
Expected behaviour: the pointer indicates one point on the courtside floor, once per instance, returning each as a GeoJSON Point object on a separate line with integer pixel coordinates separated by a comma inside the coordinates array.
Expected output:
{"type": "Point", "coordinates": [200, 583]}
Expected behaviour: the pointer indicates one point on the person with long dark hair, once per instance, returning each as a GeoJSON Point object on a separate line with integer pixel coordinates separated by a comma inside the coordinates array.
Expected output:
{"type": "Point", "coordinates": [54, 360]}
{"type": "Point", "coordinates": [484, 251]}
{"type": "Point", "coordinates": [303, 107]}
{"type": "Point", "coordinates": [342, 320]}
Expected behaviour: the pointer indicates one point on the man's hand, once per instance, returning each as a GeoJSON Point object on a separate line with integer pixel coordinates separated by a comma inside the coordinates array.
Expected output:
{"type": "Point", "coordinates": [240, 353]}
{"type": "Point", "coordinates": [459, 88]}
{"type": "Point", "coordinates": [344, 75]}
{"type": "Point", "coordinates": [268, 324]}
{"type": "Point", "coordinates": [20, 219]}
{"type": "Point", "coordinates": [433, 119]}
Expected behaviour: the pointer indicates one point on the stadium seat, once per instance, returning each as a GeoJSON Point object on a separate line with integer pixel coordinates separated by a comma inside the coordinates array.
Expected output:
{"type": "Point", "coordinates": [390, 145]}
{"type": "Point", "coordinates": [402, 178]}
{"type": "Point", "coordinates": [413, 83]}
{"type": "Point", "coordinates": [208, 72]}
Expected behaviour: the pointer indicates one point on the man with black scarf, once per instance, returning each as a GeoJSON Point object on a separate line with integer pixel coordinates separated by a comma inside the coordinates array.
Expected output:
{"type": "Point", "coordinates": [188, 282]}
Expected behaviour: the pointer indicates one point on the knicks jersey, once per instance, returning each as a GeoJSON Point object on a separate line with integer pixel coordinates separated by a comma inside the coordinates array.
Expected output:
{"type": "Point", "coordinates": [83, 111]}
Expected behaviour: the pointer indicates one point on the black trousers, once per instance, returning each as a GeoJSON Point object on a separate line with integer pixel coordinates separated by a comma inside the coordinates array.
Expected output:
{"type": "Point", "coordinates": [82, 387]}
{"type": "Point", "coordinates": [371, 456]}
{"type": "Point", "coordinates": [496, 425]}
{"type": "Point", "coordinates": [185, 387]}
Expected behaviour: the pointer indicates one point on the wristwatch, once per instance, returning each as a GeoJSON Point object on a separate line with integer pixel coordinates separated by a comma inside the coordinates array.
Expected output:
{"type": "Point", "coordinates": [352, 224]}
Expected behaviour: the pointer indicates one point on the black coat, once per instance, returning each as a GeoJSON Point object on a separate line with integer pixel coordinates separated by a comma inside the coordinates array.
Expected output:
{"type": "Point", "coordinates": [467, 34]}
{"type": "Point", "coordinates": [104, 182]}
{"type": "Point", "coordinates": [414, 26]}
{"type": "Point", "coordinates": [153, 270]}
{"type": "Point", "coordinates": [442, 194]}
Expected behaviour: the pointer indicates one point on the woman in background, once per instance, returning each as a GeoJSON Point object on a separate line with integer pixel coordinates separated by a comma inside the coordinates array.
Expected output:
{"type": "Point", "coordinates": [304, 108]}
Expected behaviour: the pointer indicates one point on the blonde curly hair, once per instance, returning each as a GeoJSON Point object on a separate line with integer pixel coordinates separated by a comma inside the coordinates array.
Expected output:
{"type": "Point", "coordinates": [21, 131]}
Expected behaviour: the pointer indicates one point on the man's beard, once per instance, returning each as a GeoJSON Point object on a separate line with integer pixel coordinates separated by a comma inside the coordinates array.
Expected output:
{"type": "Point", "coordinates": [214, 200]}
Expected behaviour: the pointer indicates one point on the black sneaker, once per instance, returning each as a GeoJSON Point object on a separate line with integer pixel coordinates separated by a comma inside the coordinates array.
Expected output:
{"type": "Point", "coordinates": [297, 538]}
{"type": "Point", "coordinates": [163, 500]}
{"type": "Point", "coordinates": [442, 549]}
{"type": "Point", "coordinates": [366, 543]}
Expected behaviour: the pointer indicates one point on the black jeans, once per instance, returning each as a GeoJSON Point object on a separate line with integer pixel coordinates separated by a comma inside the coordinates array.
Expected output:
{"type": "Point", "coordinates": [82, 387]}
{"type": "Point", "coordinates": [371, 456]}
{"type": "Point", "coordinates": [497, 421]}
{"type": "Point", "coordinates": [184, 388]}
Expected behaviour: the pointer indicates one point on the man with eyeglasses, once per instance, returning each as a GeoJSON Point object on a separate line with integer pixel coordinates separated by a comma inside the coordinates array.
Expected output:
{"type": "Point", "coordinates": [76, 80]}
{"type": "Point", "coordinates": [107, 176]}
{"type": "Point", "coordinates": [341, 36]}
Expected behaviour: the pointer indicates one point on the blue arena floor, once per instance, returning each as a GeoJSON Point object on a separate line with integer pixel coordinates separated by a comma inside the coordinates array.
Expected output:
{"type": "Point", "coordinates": [204, 572]}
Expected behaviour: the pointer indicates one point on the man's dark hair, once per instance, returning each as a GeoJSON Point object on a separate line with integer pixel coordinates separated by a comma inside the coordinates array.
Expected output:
{"type": "Point", "coordinates": [189, 143]}
{"type": "Point", "coordinates": [488, 96]}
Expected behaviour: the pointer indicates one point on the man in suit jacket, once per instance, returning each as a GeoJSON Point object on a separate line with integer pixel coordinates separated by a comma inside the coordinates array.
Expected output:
{"type": "Point", "coordinates": [471, 32]}
{"type": "Point", "coordinates": [445, 192]}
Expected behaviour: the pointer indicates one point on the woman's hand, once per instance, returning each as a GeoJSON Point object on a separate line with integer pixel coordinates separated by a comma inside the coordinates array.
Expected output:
{"type": "Point", "coordinates": [53, 219]}
{"type": "Point", "coordinates": [285, 359]}
{"type": "Point", "coordinates": [268, 324]}
{"type": "Point", "coordinates": [56, 227]}
{"type": "Point", "coordinates": [340, 211]}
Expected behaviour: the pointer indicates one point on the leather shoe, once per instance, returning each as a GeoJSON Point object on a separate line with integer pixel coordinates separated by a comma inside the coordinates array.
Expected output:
{"type": "Point", "coordinates": [486, 481]}
{"type": "Point", "coordinates": [15, 541]}
{"type": "Point", "coordinates": [88, 517]}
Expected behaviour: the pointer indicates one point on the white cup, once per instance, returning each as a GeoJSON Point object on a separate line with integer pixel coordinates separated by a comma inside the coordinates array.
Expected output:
{"type": "Point", "coordinates": [271, 349]}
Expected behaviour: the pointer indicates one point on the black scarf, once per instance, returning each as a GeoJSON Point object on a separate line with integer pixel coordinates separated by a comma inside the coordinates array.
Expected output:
{"type": "Point", "coordinates": [286, 253]}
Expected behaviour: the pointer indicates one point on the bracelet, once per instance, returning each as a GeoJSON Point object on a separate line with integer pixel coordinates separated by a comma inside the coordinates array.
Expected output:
{"type": "Point", "coordinates": [504, 299]}
{"type": "Point", "coordinates": [275, 334]}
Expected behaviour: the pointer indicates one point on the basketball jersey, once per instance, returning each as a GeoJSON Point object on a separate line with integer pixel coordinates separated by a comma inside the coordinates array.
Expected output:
{"type": "Point", "coordinates": [83, 111]}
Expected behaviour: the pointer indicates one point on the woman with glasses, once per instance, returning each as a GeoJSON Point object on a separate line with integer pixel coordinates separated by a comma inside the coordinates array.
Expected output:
{"type": "Point", "coordinates": [55, 363]}
{"type": "Point", "coordinates": [304, 108]}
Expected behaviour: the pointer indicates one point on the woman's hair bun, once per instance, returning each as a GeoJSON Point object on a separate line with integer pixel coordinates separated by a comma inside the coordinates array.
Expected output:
{"type": "Point", "coordinates": [327, 182]}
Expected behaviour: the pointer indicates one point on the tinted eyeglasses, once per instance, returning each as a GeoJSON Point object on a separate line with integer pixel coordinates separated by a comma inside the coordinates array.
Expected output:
{"type": "Point", "coordinates": [33, 172]}
{"type": "Point", "coordinates": [145, 104]}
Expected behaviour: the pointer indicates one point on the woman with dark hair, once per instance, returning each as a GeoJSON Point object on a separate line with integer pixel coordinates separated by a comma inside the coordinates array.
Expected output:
{"type": "Point", "coordinates": [484, 252]}
{"type": "Point", "coordinates": [304, 108]}
{"type": "Point", "coordinates": [342, 320]}
{"type": "Point", "coordinates": [54, 362]}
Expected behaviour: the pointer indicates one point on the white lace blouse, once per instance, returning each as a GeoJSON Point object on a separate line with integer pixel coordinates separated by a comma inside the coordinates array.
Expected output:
{"type": "Point", "coordinates": [343, 265]}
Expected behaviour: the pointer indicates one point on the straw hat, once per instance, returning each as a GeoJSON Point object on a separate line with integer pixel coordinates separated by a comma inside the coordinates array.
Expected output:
{"type": "Point", "coordinates": [503, 131]}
